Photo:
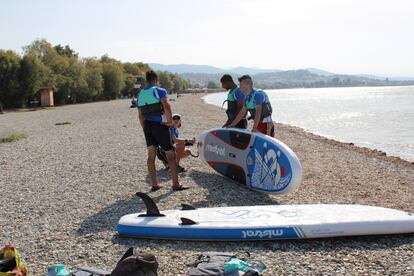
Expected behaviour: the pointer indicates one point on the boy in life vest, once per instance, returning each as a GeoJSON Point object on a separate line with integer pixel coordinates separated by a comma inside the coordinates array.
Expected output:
{"type": "Point", "coordinates": [258, 104]}
{"type": "Point", "coordinates": [180, 144]}
{"type": "Point", "coordinates": [154, 113]}
{"type": "Point", "coordinates": [235, 101]}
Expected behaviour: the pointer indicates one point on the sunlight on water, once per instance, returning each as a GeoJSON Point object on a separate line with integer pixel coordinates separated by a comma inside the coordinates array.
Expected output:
{"type": "Point", "coordinates": [374, 117]}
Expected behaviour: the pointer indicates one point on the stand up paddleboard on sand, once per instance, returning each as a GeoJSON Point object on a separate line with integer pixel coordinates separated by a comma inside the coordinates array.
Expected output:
{"type": "Point", "coordinates": [252, 159]}
{"type": "Point", "coordinates": [269, 222]}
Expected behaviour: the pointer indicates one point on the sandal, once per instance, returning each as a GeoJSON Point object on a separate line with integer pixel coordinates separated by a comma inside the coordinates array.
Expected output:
{"type": "Point", "coordinates": [156, 188]}
{"type": "Point", "coordinates": [180, 188]}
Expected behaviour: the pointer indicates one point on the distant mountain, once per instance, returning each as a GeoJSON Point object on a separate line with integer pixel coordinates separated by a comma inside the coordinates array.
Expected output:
{"type": "Point", "coordinates": [186, 68]}
{"type": "Point", "coordinates": [250, 71]}
{"type": "Point", "coordinates": [320, 72]}
{"type": "Point", "coordinates": [207, 69]}
{"type": "Point", "coordinates": [201, 75]}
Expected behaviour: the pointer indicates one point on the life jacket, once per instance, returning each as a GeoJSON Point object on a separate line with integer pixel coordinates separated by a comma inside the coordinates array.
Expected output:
{"type": "Point", "coordinates": [250, 105]}
{"type": "Point", "coordinates": [149, 103]}
{"type": "Point", "coordinates": [232, 103]}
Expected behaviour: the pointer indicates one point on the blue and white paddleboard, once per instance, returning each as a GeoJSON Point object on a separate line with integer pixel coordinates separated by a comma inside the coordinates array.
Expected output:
{"type": "Point", "coordinates": [271, 222]}
{"type": "Point", "coordinates": [252, 159]}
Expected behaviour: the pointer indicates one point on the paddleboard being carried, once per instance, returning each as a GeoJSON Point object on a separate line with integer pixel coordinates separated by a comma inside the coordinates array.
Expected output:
{"type": "Point", "coordinates": [271, 222]}
{"type": "Point", "coordinates": [257, 161]}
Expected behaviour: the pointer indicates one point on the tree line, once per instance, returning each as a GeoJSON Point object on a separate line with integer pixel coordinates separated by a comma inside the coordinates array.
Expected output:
{"type": "Point", "coordinates": [73, 79]}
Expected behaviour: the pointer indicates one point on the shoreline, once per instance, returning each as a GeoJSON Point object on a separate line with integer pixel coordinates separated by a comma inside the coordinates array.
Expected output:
{"type": "Point", "coordinates": [363, 149]}
{"type": "Point", "coordinates": [68, 185]}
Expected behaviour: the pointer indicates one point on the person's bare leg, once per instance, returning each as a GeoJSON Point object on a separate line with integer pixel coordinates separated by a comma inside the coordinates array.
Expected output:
{"type": "Point", "coordinates": [269, 129]}
{"type": "Point", "coordinates": [179, 149]}
{"type": "Point", "coordinates": [172, 163]}
{"type": "Point", "coordinates": [152, 153]}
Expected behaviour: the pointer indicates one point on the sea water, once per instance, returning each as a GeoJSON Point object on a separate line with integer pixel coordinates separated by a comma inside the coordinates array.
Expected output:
{"type": "Point", "coordinates": [375, 117]}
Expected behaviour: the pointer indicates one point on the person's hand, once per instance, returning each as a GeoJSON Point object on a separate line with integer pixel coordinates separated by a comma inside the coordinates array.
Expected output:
{"type": "Point", "coordinates": [169, 123]}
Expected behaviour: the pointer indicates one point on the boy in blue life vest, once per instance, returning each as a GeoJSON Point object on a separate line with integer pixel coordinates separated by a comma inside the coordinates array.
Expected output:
{"type": "Point", "coordinates": [258, 104]}
{"type": "Point", "coordinates": [154, 113]}
{"type": "Point", "coordinates": [180, 144]}
{"type": "Point", "coordinates": [235, 101]}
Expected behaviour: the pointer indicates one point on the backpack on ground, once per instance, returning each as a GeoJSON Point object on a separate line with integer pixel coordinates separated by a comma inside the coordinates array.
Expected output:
{"type": "Point", "coordinates": [225, 264]}
{"type": "Point", "coordinates": [11, 263]}
{"type": "Point", "coordinates": [136, 264]}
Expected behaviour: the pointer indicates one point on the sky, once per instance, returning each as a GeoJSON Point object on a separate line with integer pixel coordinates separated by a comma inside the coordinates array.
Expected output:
{"type": "Point", "coordinates": [341, 36]}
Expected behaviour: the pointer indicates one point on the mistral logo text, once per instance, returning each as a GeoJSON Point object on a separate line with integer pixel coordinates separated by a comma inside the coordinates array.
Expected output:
{"type": "Point", "coordinates": [215, 149]}
{"type": "Point", "coordinates": [263, 234]}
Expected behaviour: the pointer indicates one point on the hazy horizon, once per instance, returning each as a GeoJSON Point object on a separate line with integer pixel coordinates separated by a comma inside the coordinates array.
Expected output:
{"type": "Point", "coordinates": [344, 37]}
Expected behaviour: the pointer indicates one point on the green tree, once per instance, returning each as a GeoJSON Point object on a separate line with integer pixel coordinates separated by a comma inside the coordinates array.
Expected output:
{"type": "Point", "coordinates": [212, 85]}
{"type": "Point", "coordinates": [33, 75]}
{"type": "Point", "coordinates": [128, 90]}
{"type": "Point", "coordinates": [165, 81]}
{"type": "Point", "coordinates": [95, 83]}
{"type": "Point", "coordinates": [65, 51]}
{"type": "Point", "coordinates": [9, 82]}
{"type": "Point", "coordinates": [113, 80]}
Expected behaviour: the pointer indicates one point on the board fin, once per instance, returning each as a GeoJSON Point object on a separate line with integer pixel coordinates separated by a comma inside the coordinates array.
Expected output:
{"type": "Point", "coordinates": [152, 209]}
{"type": "Point", "coordinates": [187, 207]}
{"type": "Point", "coordinates": [186, 221]}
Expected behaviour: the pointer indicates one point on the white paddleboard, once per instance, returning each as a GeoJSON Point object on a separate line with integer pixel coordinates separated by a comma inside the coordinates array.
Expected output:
{"type": "Point", "coordinates": [269, 222]}
{"type": "Point", "coordinates": [257, 161]}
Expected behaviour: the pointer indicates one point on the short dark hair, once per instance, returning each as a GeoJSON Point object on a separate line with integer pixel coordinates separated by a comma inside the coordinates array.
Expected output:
{"type": "Point", "coordinates": [226, 78]}
{"type": "Point", "coordinates": [151, 76]}
{"type": "Point", "coordinates": [245, 77]}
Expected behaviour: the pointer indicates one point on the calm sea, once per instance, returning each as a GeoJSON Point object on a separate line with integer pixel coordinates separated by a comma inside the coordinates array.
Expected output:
{"type": "Point", "coordinates": [374, 117]}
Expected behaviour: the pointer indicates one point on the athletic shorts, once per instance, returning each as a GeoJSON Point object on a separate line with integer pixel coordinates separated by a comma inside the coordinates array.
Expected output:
{"type": "Point", "coordinates": [262, 127]}
{"type": "Point", "coordinates": [157, 134]}
{"type": "Point", "coordinates": [242, 123]}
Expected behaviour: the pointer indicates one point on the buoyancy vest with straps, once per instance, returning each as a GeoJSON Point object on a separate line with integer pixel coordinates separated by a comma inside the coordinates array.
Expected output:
{"type": "Point", "coordinates": [231, 103]}
{"type": "Point", "coordinates": [149, 103]}
{"type": "Point", "coordinates": [250, 105]}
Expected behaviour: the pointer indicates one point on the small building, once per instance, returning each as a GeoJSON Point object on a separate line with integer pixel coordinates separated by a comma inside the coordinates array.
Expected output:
{"type": "Point", "coordinates": [46, 96]}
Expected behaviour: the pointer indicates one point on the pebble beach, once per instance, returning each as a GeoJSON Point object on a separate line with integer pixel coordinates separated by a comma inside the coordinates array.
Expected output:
{"type": "Point", "coordinates": [66, 185]}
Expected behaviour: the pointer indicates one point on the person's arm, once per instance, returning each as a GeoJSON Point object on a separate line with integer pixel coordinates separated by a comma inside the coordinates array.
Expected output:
{"type": "Point", "coordinates": [183, 141]}
{"type": "Point", "coordinates": [227, 122]}
{"type": "Point", "coordinates": [140, 118]}
{"type": "Point", "coordinates": [239, 116]}
{"type": "Point", "coordinates": [240, 105]}
{"type": "Point", "coordinates": [257, 117]}
{"type": "Point", "coordinates": [167, 111]}
{"type": "Point", "coordinates": [240, 100]}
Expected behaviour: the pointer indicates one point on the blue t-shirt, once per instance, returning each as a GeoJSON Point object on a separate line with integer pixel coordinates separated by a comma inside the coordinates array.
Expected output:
{"type": "Point", "coordinates": [238, 95]}
{"type": "Point", "coordinates": [174, 132]}
{"type": "Point", "coordinates": [259, 97]}
{"type": "Point", "coordinates": [160, 93]}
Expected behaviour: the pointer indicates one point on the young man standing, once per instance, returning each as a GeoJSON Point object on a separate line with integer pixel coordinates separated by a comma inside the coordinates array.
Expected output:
{"type": "Point", "coordinates": [235, 101]}
{"type": "Point", "coordinates": [258, 104]}
{"type": "Point", "coordinates": [154, 113]}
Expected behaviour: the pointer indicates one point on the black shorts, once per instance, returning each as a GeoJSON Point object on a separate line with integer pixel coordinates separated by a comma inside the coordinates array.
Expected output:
{"type": "Point", "coordinates": [242, 123]}
{"type": "Point", "coordinates": [157, 134]}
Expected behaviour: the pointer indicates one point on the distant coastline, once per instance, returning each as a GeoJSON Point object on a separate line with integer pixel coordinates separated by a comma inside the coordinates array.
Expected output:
{"type": "Point", "coordinates": [209, 76]}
